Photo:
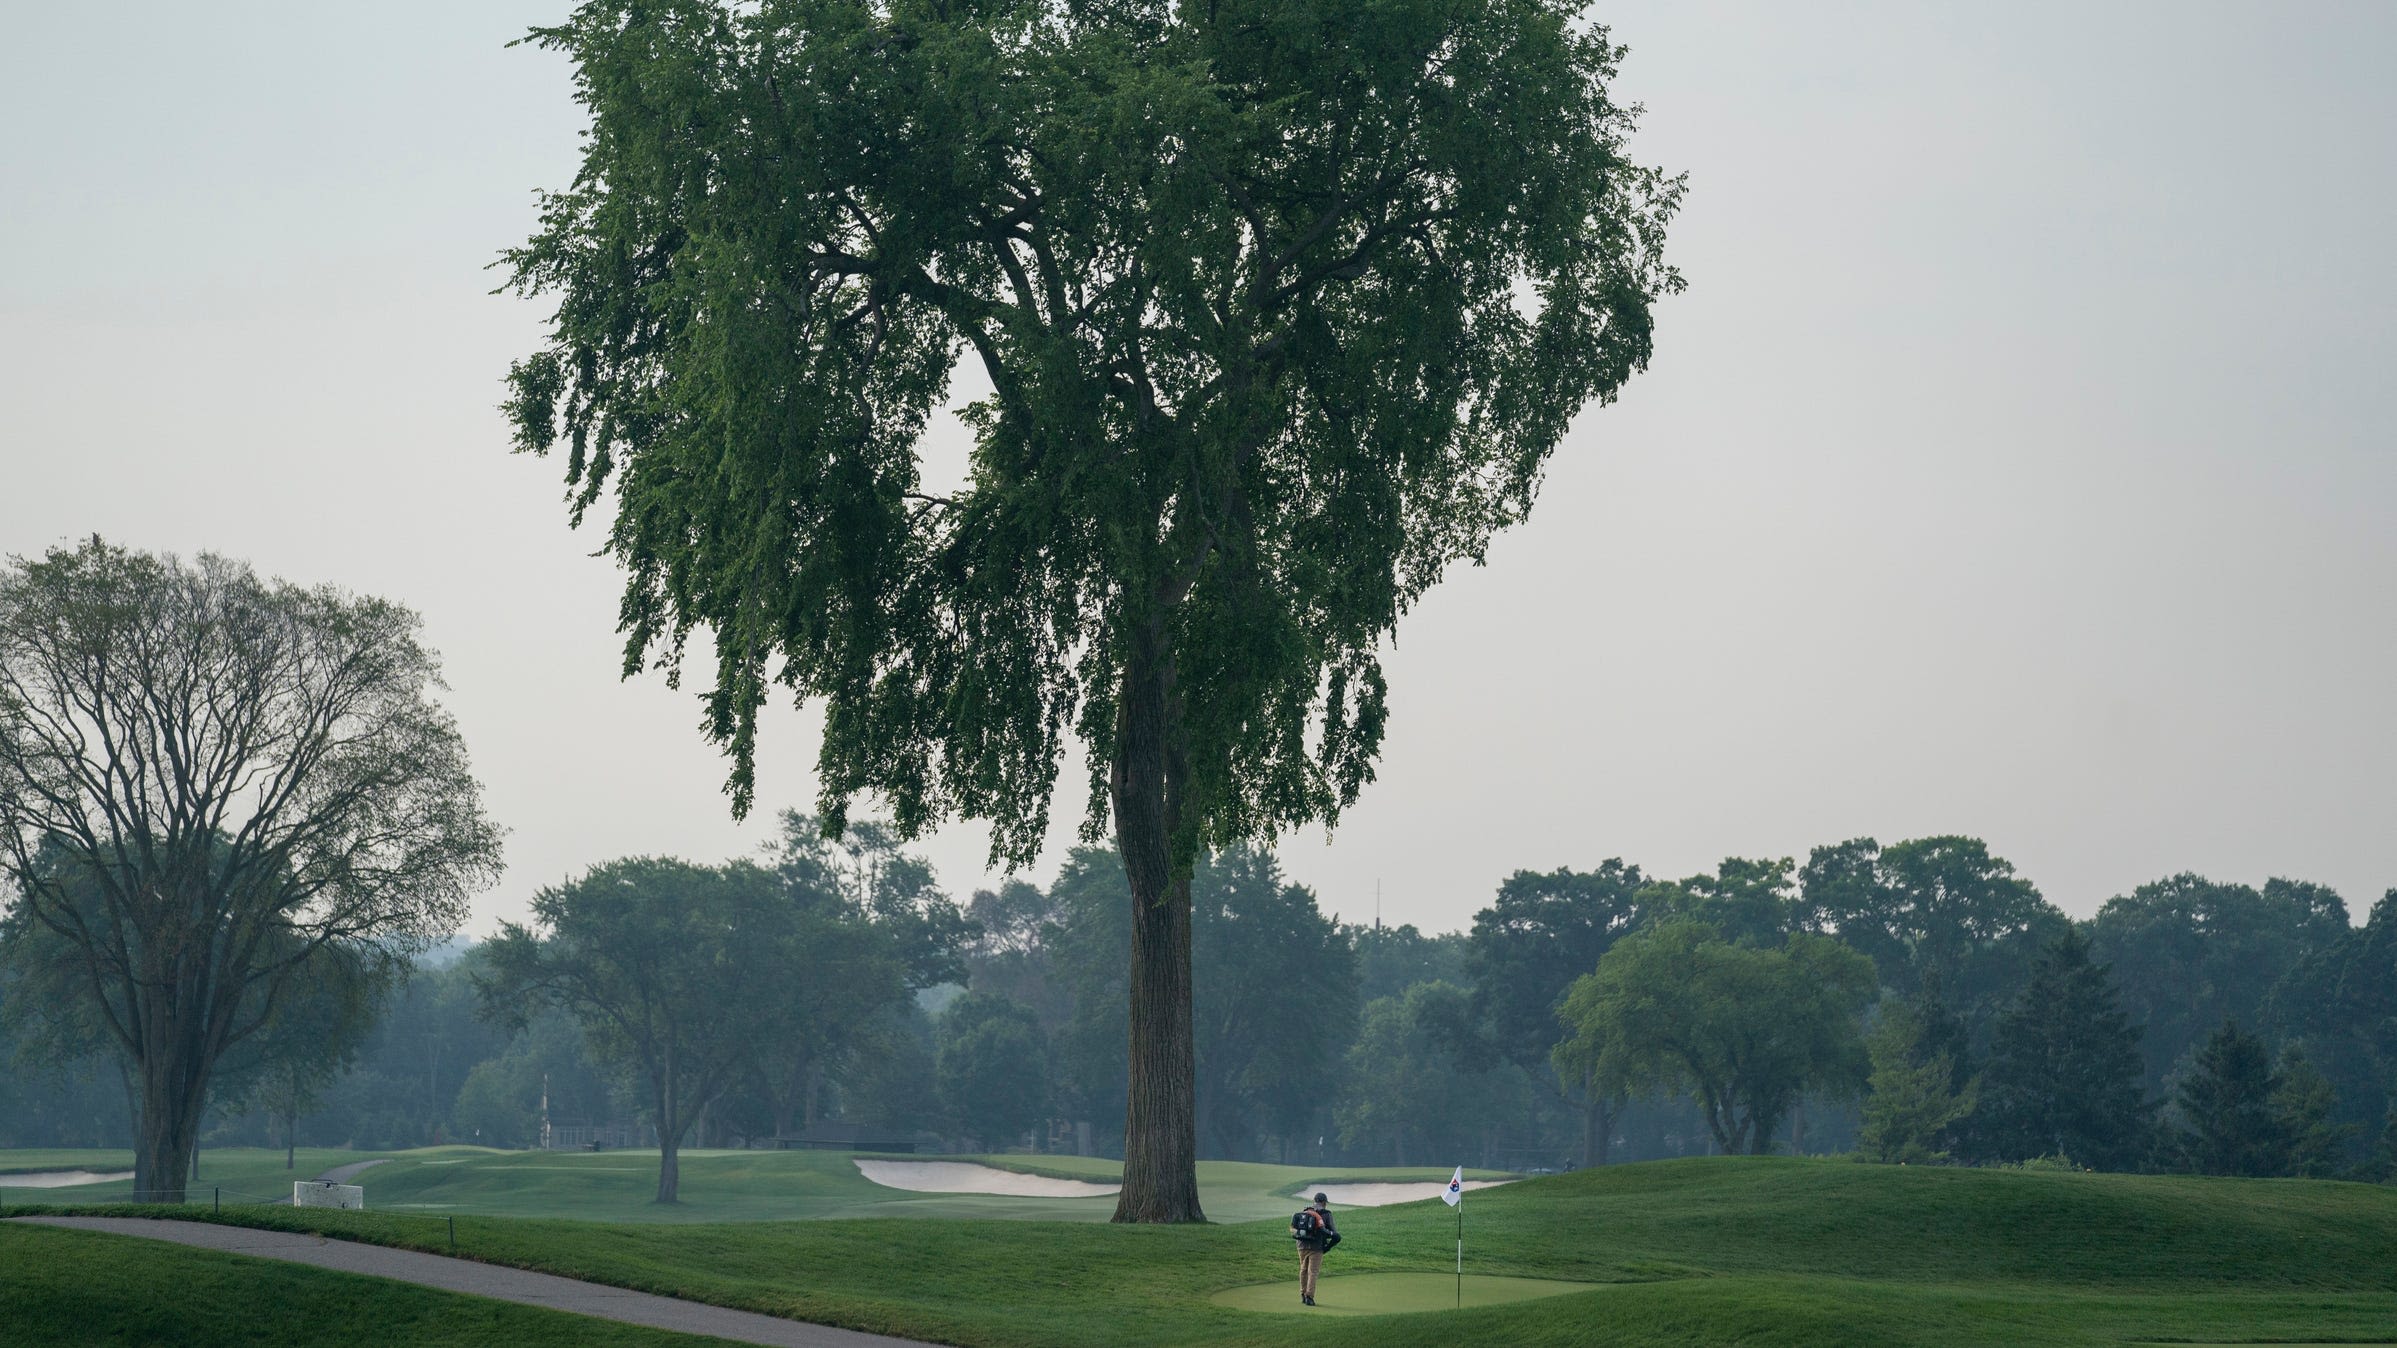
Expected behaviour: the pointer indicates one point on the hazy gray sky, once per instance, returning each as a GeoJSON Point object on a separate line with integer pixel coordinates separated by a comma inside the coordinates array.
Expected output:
{"type": "Point", "coordinates": [2020, 462]}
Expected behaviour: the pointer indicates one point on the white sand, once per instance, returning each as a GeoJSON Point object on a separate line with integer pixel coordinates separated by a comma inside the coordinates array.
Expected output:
{"type": "Point", "coordinates": [958, 1177]}
{"type": "Point", "coordinates": [1382, 1195]}
{"type": "Point", "coordinates": [61, 1179]}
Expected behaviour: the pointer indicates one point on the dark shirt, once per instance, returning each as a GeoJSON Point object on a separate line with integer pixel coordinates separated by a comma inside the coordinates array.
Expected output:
{"type": "Point", "coordinates": [1326, 1226]}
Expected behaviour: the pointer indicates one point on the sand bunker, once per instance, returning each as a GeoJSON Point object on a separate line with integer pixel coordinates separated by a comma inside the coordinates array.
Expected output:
{"type": "Point", "coordinates": [1382, 1195]}
{"type": "Point", "coordinates": [958, 1177]}
{"type": "Point", "coordinates": [61, 1179]}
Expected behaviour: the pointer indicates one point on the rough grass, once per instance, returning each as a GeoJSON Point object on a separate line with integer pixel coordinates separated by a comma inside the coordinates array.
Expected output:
{"type": "Point", "coordinates": [79, 1287]}
{"type": "Point", "coordinates": [1747, 1250]}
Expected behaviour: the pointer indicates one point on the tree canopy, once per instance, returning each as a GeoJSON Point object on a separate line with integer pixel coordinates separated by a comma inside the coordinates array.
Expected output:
{"type": "Point", "coordinates": [669, 967]}
{"type": "Point", "coordinates": [1274, 314]}
{"type": "Point", "coordinates": [2188, 953]}
{"type": "Point", "coordinates": [1941, 916]}
{"type": "Point", "coordinates": [992, 1069]}
{"type": "Point", "coordinates": [1743, 1030]}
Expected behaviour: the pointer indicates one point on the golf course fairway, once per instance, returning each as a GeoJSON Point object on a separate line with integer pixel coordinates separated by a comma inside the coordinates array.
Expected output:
{"type": "Point", "coordinates": [1771, 1252]}
{"type": "Point", "coordinates": [1392, 1293]}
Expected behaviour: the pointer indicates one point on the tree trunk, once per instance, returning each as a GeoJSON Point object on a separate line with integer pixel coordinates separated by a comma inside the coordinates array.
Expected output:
{"type": "Point", "coordinates": [669, 1131]}
{"type": "Point", "coordinates": [1711, 1112]}
{"type": "Point", "coordinates": [1160, 1181]}
{"type": "Point", "coordinates": [1797, 1129]}
{"type": "Point", "coordinates": [174, 1090]}
{"type": "Point", "coordinates": [162, 1150]}
{"type": "Point", "coordinates": [1597, 1129]}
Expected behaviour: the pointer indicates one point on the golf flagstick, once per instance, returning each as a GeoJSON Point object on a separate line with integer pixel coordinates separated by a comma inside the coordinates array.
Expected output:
{"type": "Point", "coordinates": [1454, 1196]}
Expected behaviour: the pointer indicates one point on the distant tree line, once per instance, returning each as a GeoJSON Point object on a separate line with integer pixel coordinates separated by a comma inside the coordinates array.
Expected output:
{"type": "Point", "coordinates": [1919, 1003]}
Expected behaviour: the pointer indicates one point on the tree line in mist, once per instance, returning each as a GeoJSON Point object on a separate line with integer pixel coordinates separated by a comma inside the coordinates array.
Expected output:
{"type": "Point", "coordinates": [1913, 1003]}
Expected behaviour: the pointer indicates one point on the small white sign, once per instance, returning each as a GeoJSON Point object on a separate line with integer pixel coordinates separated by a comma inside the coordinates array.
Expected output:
{"type": "Point", "coordinates": [319, 1194]}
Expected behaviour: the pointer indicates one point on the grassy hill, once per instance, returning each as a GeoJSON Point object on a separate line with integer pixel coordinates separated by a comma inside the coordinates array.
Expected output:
{"type": "Point", "coordinates": [1748, 1250]}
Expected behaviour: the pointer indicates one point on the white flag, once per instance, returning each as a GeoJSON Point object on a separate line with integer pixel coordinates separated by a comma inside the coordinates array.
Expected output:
{"type": "Point", "coordinates": [1455, 1192]}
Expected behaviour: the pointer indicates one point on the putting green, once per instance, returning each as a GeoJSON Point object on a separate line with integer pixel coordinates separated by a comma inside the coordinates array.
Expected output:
{"type": "Point", "coordinates": [1392, 1293]}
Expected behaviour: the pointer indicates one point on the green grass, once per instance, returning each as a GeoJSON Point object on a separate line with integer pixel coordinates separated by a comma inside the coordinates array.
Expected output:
{"type": "Point", "coordinates": [1392, 1293]}
{"type": "Point", "coordinates": [62, 1158]}
{"type": "Point", "coordinates": [1748, 1250]}
{"type": "Point", "coordinates": [79, 1287]}
{"type": "Point", "coordinates": [736, 1186]}
{"type": "Point", "coordinates": [244, 1174]}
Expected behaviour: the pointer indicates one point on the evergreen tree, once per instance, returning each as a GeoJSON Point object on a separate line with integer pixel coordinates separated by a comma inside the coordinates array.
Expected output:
{"type": "Point", "coordinates": [2064, 1073]}
{"type": "Point", "coordinates": [1915, 1101]}
{"type": "Point", "coordinates": [2304, 1104]}
{"type": "Point", "coordinates": [2228, 1106]}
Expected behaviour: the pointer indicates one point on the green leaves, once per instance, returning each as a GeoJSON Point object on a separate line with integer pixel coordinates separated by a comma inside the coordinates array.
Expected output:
{"type": "Point", "coordinates": [1282, 308]}
{"type": "Point", "coordinates": [213, 788]}
{"type": "Point", "coordinates": [1914, 1101]}
{"type": "Point", "coordinates": [2063, 1075]}
{"type": "Point", "coordinates": [1744, 1031]}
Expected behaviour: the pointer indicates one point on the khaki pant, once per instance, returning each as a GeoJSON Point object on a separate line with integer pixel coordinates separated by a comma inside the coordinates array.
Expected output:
{"type": "Point", "coordinates": [1310, 1263]}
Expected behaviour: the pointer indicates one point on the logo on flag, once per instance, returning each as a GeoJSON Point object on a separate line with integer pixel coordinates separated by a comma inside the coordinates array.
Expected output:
{"type": "Point", "coordinates": [1455, 1192]}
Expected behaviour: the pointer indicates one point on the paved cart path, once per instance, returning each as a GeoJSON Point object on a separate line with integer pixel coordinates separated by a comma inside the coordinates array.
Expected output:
{"type": "Point", "coordinates": [488, 1280]}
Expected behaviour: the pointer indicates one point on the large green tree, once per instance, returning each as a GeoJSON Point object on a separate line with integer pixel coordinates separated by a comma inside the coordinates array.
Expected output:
{"type": "Point", "coordinates": [875, 927]}
{"type": "Point", "coordinates": [1742, 1030]}
{"type": "Point", "coordinates": [670, 968]}
{"type": "Point", "coordinates": [1274, 312]}
{"type": "Point", "coordinates": [209, 781]}
{"type": "Point", "coordinates": [1411, 1096]}
{"type": "Point", "coordinates": [992, 1072]}
{"type": "Point", "coordinates": [1543, 931]}
{"type": "Point", "coordinates": [1941, 916]}
{"type": "Point", "coordinates": [2189, 953]}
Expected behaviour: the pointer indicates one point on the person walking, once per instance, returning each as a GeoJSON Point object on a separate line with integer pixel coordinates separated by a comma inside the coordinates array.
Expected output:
{"type": "Point", "coordinates": [1312, 1228]}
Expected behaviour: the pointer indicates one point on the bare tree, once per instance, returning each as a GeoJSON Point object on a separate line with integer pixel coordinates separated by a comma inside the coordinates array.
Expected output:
{"type": "Point", "coordinates": [208, 780]}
